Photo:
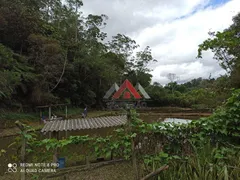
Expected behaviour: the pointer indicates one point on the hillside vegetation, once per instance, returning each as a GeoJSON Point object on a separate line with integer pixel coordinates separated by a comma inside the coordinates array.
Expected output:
{"type": "Point", "coordinates": [50, 52]}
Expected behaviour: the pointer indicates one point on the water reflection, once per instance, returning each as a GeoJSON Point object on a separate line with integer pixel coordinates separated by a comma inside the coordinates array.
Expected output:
{"type": "Point", "coordinates": [177, 121]}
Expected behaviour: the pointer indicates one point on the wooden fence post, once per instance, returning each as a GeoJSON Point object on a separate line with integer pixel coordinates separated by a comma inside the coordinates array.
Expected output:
{"type": "Point", "coordinates": [66, 113]}
{"type": "Point", "coordinates": [56, 153]}
{"type": "Point", "coordinates": [87, 161]}
{"type": "Point", "coordinates": [23, 147]}
{"type": "Point", "coordinates": [40, 116]}
{"type": "Point", "coordinates": [134, 157]}
{"type": "Point", "coordinates": [49, 112]}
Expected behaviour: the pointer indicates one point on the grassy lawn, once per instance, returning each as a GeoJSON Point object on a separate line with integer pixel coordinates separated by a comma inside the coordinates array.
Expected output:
{"type": "Point", "coordinates": [72, 113]}
{"type": "Point", "coordinates": [11, 116]}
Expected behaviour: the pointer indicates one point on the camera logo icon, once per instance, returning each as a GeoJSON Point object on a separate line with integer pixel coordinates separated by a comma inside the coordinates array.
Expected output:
{"type": "Point", "coordinates": [12, 167]}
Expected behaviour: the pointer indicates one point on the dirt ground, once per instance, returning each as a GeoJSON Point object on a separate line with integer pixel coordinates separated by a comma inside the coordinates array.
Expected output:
{"type": "Point", "coordinates": [117, 171]}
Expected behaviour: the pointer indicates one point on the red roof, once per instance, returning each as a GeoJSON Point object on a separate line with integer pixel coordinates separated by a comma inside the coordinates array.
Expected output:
{"type": "Point", "coordinates": [127, 85]}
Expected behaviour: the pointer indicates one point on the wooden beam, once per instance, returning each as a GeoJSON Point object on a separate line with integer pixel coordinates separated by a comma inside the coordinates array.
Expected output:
{"type": "Point", "coordinates": [66, 134]}
{"type": "Point", "coordinates": [58, 135]}
{"type": "Point", "coordinates": [66, 113]}
{"type": "Point", "coordinates": [40, 115]}
{"type": "Point", "coordinates": [49, 135]}
{"type": "Point", "coordinates": [152, 174]}
{"type": "Point", "coordinates": [49, 112]}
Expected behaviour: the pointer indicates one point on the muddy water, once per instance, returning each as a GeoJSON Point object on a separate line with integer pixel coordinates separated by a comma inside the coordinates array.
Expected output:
{"type": "Point", "coordinates": [12, 151]}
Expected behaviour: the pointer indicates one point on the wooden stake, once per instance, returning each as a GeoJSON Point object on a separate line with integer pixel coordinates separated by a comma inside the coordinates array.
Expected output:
{"type": "Point", "coordinates": [40, 116]}
{"type": "Point", "coordinates": [134, 158]}
{"type": "Point", "coordinates": [66, 112]}
{"type": "Point", "coordinates": [87, 161]}
{"type": "Point", "coordinates": [49, 112]}
{"type": "Point", "coordinates": [66, 134]}
{"type": "Point", "coordinates": [55, 156]}
{"type": "Point", "coordinates": [23, 152]}
{"type": "Point", "coordinates": [23, 147]}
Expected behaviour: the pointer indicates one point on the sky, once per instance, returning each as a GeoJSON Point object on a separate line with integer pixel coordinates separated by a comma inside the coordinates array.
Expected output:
{"type": "Point", "coordinates": [172, 28]}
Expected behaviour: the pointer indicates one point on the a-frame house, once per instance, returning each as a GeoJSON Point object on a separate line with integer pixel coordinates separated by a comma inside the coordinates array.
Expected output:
{"type": "Point", "coordinates": [127, 94]}
{"type": "Point", "coordinates": [139, 88]}
{"type": "Point", "coordinates": [114, 88]}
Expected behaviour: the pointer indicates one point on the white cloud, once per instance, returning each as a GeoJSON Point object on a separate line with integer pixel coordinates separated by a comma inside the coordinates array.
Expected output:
{"type": "Point", "coordinates": [172, 28]}
{"type": "Point", "coordinates": [175, 43]}
{"type": "Point", "coordinates": [185, 71]}
{"type": "Point", "coordinates": [131, 16]}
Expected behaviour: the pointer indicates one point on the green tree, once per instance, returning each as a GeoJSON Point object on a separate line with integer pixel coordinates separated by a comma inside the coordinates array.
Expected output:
{"type": "Point", "coordinates": [225, 46]}
{"type": "Point", "coordinates": [51, 53]}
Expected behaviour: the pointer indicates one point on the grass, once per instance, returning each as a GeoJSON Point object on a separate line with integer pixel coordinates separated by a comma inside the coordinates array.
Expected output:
{"type": "Point", "coordinates": [71, 113]}
{"type": "Point", "coordinates": [7, 118]}
{"type": "Point", "coordinates": [34, 116]}
{"type": "Point", "coordinates": [18, 116]}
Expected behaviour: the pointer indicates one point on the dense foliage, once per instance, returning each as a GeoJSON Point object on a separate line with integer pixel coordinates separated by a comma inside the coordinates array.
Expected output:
{"type": "Point", "coordinates": [204, 149]}
{"type": "Point", "coordinates": [197, 93]}
{"type": "Point", "coordinates": [51, 52]}
{"type": "Point", "coordinates": [225, 46]}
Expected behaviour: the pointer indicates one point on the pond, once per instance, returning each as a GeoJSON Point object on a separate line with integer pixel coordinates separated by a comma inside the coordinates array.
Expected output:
{"type": "Point", "coordinates": [159, 117]}
{"type": "Point", "coordinates": [177, 121]}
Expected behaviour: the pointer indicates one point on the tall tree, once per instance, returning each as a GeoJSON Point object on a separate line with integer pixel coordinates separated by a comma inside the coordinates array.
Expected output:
{"type": "Point", "coordinates": [59, 54]}
{"type": "Point", "coordinates": [226, 48]}
{"type": "Point", "coordinates": [173, 78]}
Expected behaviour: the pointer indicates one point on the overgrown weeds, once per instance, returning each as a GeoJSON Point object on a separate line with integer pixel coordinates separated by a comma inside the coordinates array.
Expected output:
{"type": "Point", "coordinates": [204, 149]}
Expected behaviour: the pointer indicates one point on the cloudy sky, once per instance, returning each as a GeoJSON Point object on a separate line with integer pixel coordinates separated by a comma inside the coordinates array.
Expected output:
{"type": "Point", "coordinates": [172, 28]}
